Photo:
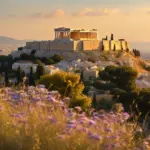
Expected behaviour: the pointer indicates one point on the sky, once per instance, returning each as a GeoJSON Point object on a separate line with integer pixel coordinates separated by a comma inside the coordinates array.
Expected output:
{"type": "Point", "coordinates": [36, 19]}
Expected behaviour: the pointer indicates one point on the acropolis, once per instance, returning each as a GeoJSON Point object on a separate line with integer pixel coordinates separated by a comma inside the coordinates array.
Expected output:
{"type": "Point", "coordinates": [67, 39]}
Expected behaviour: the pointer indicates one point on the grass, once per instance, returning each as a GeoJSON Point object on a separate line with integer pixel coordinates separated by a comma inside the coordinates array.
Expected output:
{"type": "Point", "coordinates": [36, 119]}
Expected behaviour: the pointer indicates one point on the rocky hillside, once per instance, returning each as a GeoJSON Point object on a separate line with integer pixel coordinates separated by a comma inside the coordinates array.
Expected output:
{"type": "Point", "coordinates": [115, 58]}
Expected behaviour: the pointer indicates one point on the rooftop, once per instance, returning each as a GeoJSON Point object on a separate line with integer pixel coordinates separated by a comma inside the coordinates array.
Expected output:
{"type": "Point", "coordinates": [74, 30]}
{"type": "Point", "coordinates": [62, 29]}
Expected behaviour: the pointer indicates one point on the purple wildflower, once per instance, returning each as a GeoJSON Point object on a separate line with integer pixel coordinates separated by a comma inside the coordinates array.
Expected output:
{"type": "Point", "coordinates": [94, 136]}
{"type": "Point", "coordinates": [108, 130]}
{"type": "Point", "coordinates": [71, 126]}
{"type": "Point", "coordinates": [35, 99]}
{"type": "Point", "coordinates": [52, 119]}
{"type": "Point", "coordinates": [51, 99]}
{"type": "Point", "coordinates": [92, 122]}
{"type": "Point", "coordinates": [41, 86]}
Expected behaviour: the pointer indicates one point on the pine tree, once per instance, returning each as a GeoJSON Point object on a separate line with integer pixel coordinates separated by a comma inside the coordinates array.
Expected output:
{"type": "Point", "coordinates": [31, 77]}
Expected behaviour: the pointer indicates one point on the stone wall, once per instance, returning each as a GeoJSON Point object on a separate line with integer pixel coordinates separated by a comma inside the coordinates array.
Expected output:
{"type": "Point", "coordinates": [79, 45]}
{"type": "Point", "coordinates": [33, 45]}
{"type": "Point", "coordinates": [115, 45]}
{"type": "Point", "coordinates": [62, 45]}
{"type": "Point", "coordinates": [105, 45]}
{"type": "Point", "coordinates": [45, 45]}
{"type": "Point", "coordinates": [91, 45]}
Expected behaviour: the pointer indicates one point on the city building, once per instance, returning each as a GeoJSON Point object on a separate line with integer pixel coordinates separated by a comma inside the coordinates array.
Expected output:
{"type": "Point", "coordinates": [25, 66]}
{"type": "Point", "coordinates": [90, 74]}
{"type": "Point", "coordinates": [67, 39]}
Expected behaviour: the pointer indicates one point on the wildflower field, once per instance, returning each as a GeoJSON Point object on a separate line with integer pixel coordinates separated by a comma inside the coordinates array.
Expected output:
{"type": "Point", "coordinates": [36, 119]}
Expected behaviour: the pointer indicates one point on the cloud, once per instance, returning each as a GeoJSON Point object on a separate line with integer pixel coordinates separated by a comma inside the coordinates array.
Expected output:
{"type": "Point", "coordinates": [56, 13]}
{"type": "Point", "coordinates": [97, 12]}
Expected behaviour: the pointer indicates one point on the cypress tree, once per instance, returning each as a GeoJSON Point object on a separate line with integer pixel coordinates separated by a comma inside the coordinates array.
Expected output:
{"type": "Point", "coordinates": [40, 71]}
{"type": "Point", "coordinates": [81, 76]}
{"type": "Point", "coordinates": [6, 78]}
{"type": "Point", "coordinates": [94, 103]}
{"type": "Point", "coordinates": [31, 77]}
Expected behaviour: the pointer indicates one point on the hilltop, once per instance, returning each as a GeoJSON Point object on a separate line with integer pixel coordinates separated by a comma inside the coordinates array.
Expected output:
{"type": "Point", "coordinates": [106, 58]}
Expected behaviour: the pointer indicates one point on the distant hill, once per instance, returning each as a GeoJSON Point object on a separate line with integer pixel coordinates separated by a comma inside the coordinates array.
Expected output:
{"type": "Point", "coordinates": [7, 40]}
{"type": "Point", "coordinates": [8, 44]}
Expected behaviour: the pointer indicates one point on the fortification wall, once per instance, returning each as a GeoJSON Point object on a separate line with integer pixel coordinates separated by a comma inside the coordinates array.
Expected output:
{"type": "Point", "coordinates": [105, 45]}
{"type": "Point", "coordinates": [33, 45]}
{"type": "Point", "coordinates": [78, 45]}
{"type": "Point", "coordinates": [45, 45]}
{"type": "Point", "coordinates": [115, 44]}
{"type": "Point", "coordinates": [123, 45]}
{"type": "Point", "coordinates": [62, 45]}
{"type": "Point", "coordinates": [91, 45]}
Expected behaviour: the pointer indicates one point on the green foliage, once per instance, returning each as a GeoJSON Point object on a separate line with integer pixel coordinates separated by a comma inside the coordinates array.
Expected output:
{"type": "Point", "coordinates": [94, 102]}
{"type": "Point", "coordinates": [24, 56]}
{"type": "Point", "coordinates": [33, 52]}
{"type": "Point", "coordinates": [57, 58]}
{"type": "Point", "coordinates": [50, 61]}
{"type": "Point", "coordinates": [105, 104]}
{"type": "Point", "coordinates": [6, 78]}
{"type": "Point", "coordinates": [104, 86]}
{"type": "Point", "coordinates": [37, 61]}
{"type": "Point", "coordinates": [86, 89]}
{"type": "Point", "coordinates": [31, 78]}
{"type": "Point", "coordinates": [68, 84]}
{"type": "Point", "coordinates": [5, 63]}
{"type": "Point", "coordinates": [40, 71]}
{"type": "Point", "coordinates": [20, 48]}
{"type": "Point", "coordinates": [81, 100]}
{"type": "Point", "coordinates": [124, 77]}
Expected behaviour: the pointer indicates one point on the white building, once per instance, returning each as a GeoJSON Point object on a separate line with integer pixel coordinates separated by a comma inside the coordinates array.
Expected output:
{"type": "Point", "coordinates": [90, 74]}
{"type": "Point", "coordinates": [25, 66]}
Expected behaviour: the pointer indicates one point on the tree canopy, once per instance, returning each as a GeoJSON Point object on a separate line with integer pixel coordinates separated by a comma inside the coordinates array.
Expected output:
{"type": "Point", "coordinates": [124, 77]}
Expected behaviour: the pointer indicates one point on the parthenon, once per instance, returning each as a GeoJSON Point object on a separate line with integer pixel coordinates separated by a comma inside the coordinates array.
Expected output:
{"type": "Point", "coordinates": [78, 40]}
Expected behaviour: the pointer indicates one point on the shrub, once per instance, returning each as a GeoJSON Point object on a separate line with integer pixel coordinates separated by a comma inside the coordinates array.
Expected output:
{"type": "Point", "coordinates": [66, 83]}
{"type": "Point", "coordinates": [57, 58]}
{"type": "Point", "coordinates": [33, 52]}
{"type": "Point", "coordinates": [124, 77]}
{"type": "Point", "coordinates": [83, 101]}
{"type": "Point", "coordinates": [104, 86]}
{"type": "Point", "coordinates": [105, 104]}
